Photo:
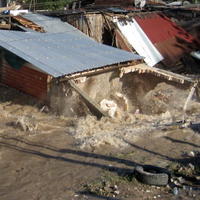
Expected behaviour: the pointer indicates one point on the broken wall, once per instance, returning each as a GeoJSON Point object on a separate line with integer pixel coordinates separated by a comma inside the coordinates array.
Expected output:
{"type": "Point", "coordinates": [153, 95]}
{"type": "Point", "coordinates": [133, 93]}
{"type": "Point", "coordinates": [66, 101]}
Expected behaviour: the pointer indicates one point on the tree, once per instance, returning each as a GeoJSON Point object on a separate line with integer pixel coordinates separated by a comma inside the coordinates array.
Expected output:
{"type": "Point", "coordinates": [45, 4]}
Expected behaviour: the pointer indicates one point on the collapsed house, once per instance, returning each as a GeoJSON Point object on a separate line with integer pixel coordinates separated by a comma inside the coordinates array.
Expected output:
{"type": "Point", "coordinates": [152, 35]}
{"type": "Point", "coordinates": [74, 74]}
{"type": "Point", "coordinates": [35, 62]}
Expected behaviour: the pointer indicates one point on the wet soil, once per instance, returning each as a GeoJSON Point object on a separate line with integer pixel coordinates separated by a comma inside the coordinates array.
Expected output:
{"type": "Point", "coordinates": [48, 164]}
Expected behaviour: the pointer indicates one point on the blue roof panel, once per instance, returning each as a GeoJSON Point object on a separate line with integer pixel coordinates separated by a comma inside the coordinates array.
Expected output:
{"type": "Point", "coordinates": [51, 24]}
{"type": "Point", "coordinates": [61, 53]}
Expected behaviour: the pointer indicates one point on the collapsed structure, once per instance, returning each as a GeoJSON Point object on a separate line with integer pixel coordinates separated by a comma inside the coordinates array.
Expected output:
{"type": "Point", "coordinates": [32, 60]}
{"type": "Point", "coordinates": [74, 74]}
{"type": "Point", "coordinates": [138, 32]}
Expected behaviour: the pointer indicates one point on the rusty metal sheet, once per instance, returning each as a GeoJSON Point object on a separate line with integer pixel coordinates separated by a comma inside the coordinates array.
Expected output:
{"type": "Point", "coordinates": [171, 50]}
{"type": "Point", "coordinates": [121, 42]}
{"type": "Point", "coordinates": [171, 40]}
{"type": "Point", "coordinates": [159, 28]}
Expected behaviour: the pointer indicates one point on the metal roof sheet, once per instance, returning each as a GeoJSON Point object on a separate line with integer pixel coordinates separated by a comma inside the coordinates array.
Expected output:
{"type": "Point", "coordinates": [59, 54]}
{"type": "Point", "coordinates": [139, 41]}
{"type": "Point", "coordinates": [171, 40]}
{"type": "Point", "coordinates": [159, 28]}
{"type": "Point", "coordinates": [51, 24]}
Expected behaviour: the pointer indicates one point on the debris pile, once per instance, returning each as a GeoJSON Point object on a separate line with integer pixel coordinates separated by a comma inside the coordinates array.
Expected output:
{"type": "Point", "coordinates": [96, 95]}
{"type": "Point", "coordinates": [160, 107]}
{"type": "Point", "coordinates": [27, 123]}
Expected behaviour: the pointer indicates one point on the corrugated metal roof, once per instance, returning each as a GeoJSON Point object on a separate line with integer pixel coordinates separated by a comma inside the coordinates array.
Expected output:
{"type": "Point", "coordinates": [58, 54]}
{"type": "Point", "coordinates": [139, 41]}
{"type": "Point", "coordinates": [159, 28]}
{"type": "Point", "coordinates": [51, 24]}
{"type": "Point", "coordinates": [171, 40]}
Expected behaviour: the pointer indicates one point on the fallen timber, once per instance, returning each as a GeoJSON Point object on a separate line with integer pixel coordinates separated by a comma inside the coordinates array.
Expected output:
{"type": "Point", "coordinates": [142, 68]}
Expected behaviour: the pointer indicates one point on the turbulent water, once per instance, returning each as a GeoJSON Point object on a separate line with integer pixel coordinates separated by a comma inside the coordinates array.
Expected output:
{"type": "Point", "coordinates": [163, 105]}
{"type": "Point", "coordinates": [160, 106]}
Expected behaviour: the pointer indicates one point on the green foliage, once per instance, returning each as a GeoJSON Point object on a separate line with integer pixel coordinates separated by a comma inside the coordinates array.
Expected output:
{"type": "Point", "coordinates": [46, 4]}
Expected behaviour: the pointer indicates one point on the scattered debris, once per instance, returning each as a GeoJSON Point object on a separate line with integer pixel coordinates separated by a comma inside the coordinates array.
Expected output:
{"type": "Point", "coordinates": [131, 98]}
{"type": "Point", "coordinates": [175, 191]}
{"type": "Point", "coordinates": [28, 24]}
{"type": "Point", "coordinates": [27, 123]}
{"type": "Point", "coordinates": [109, 106]}
{"type": "Point", "coordinates": [105, 187]}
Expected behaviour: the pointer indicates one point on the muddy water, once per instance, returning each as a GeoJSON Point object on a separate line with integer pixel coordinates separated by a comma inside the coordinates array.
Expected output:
{"type": "Point", "coordinates": [51, 162]}
{"type": "Point", "coordinates": [160, 106]}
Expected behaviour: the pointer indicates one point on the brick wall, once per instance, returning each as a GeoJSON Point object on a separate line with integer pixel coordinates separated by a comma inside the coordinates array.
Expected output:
{"type": "Point", "coordinates": [25, 79]}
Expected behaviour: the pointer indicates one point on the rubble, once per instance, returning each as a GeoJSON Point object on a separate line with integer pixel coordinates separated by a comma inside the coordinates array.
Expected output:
{"type": "Point", "coordinates": [106, 96]}
{"type": "Point", "coordinates": [27, 123]}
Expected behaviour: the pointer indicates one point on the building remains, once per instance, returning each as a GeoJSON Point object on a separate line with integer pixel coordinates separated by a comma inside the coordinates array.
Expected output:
{"type": "Point", "coordinates": [80, 71]}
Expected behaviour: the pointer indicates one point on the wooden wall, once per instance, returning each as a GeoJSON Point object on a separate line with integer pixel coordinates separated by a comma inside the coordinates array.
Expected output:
{"type": "Point", "coordinates": [25, 79]}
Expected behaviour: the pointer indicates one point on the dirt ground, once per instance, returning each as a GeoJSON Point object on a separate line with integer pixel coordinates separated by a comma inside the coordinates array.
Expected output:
{"type": "Point", "coordinates": [46, 160]}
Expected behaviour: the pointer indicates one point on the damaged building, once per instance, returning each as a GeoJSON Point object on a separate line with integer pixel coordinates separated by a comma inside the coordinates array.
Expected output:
{"type": "Point", "coordinates": [74, 74]}
{"type": "Point", "coordinates": [165, 47]}
{"type": "Point", "coordinates": [35, 62]}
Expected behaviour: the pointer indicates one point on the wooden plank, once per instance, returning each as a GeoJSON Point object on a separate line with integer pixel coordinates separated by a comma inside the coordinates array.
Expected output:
{"type": "Point", "coordinates": [197, 92]}
{"type": "Point", "coordinates": [190, 95]}
{"type": "Point", "coordinates": [122, 42]}
{"type": "Point", "coordinates": [28, 24]}
{"type": "Point", "coordinates": [96, 109]}
{"type": "Point", "coordinates": [98, 70]}
{"type": "Point", "coordinates": [143, 68]}
{"type": "Point", "coordinates": [5, 26]}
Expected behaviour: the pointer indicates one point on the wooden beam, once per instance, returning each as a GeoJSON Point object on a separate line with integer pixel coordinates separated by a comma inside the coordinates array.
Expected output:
{"type": "Point", "coordinates": [93, 106]}
{"type": "Point", "coordinates": [143, 68]}
{"type": "Point", "coordinates": [5, 26]}
{"type": "Point", "coordinates": [190, 95]}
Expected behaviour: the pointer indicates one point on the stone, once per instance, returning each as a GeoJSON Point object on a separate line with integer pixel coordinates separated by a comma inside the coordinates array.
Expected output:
{"type": "Point", "coordinates": [115, 187]}
{"type": "Point", "coordinates": [116, 192]}
{"type": "Point", "coordinates": [175, 191]}
{"type": "Point", "coordinates": [177, 183]}
{"type": "Point", "coordinates": [107, 189]}
{"type": "Point", "coordinates": [192, 154]}
{"type": "Point", "coordinates": [191, 166]}
{"type": "Point", "coordinates": [181, 180]}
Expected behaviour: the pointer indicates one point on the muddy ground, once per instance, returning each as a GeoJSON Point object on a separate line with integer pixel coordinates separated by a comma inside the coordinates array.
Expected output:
{"type": "Point", "coordinates": [49, 157]}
